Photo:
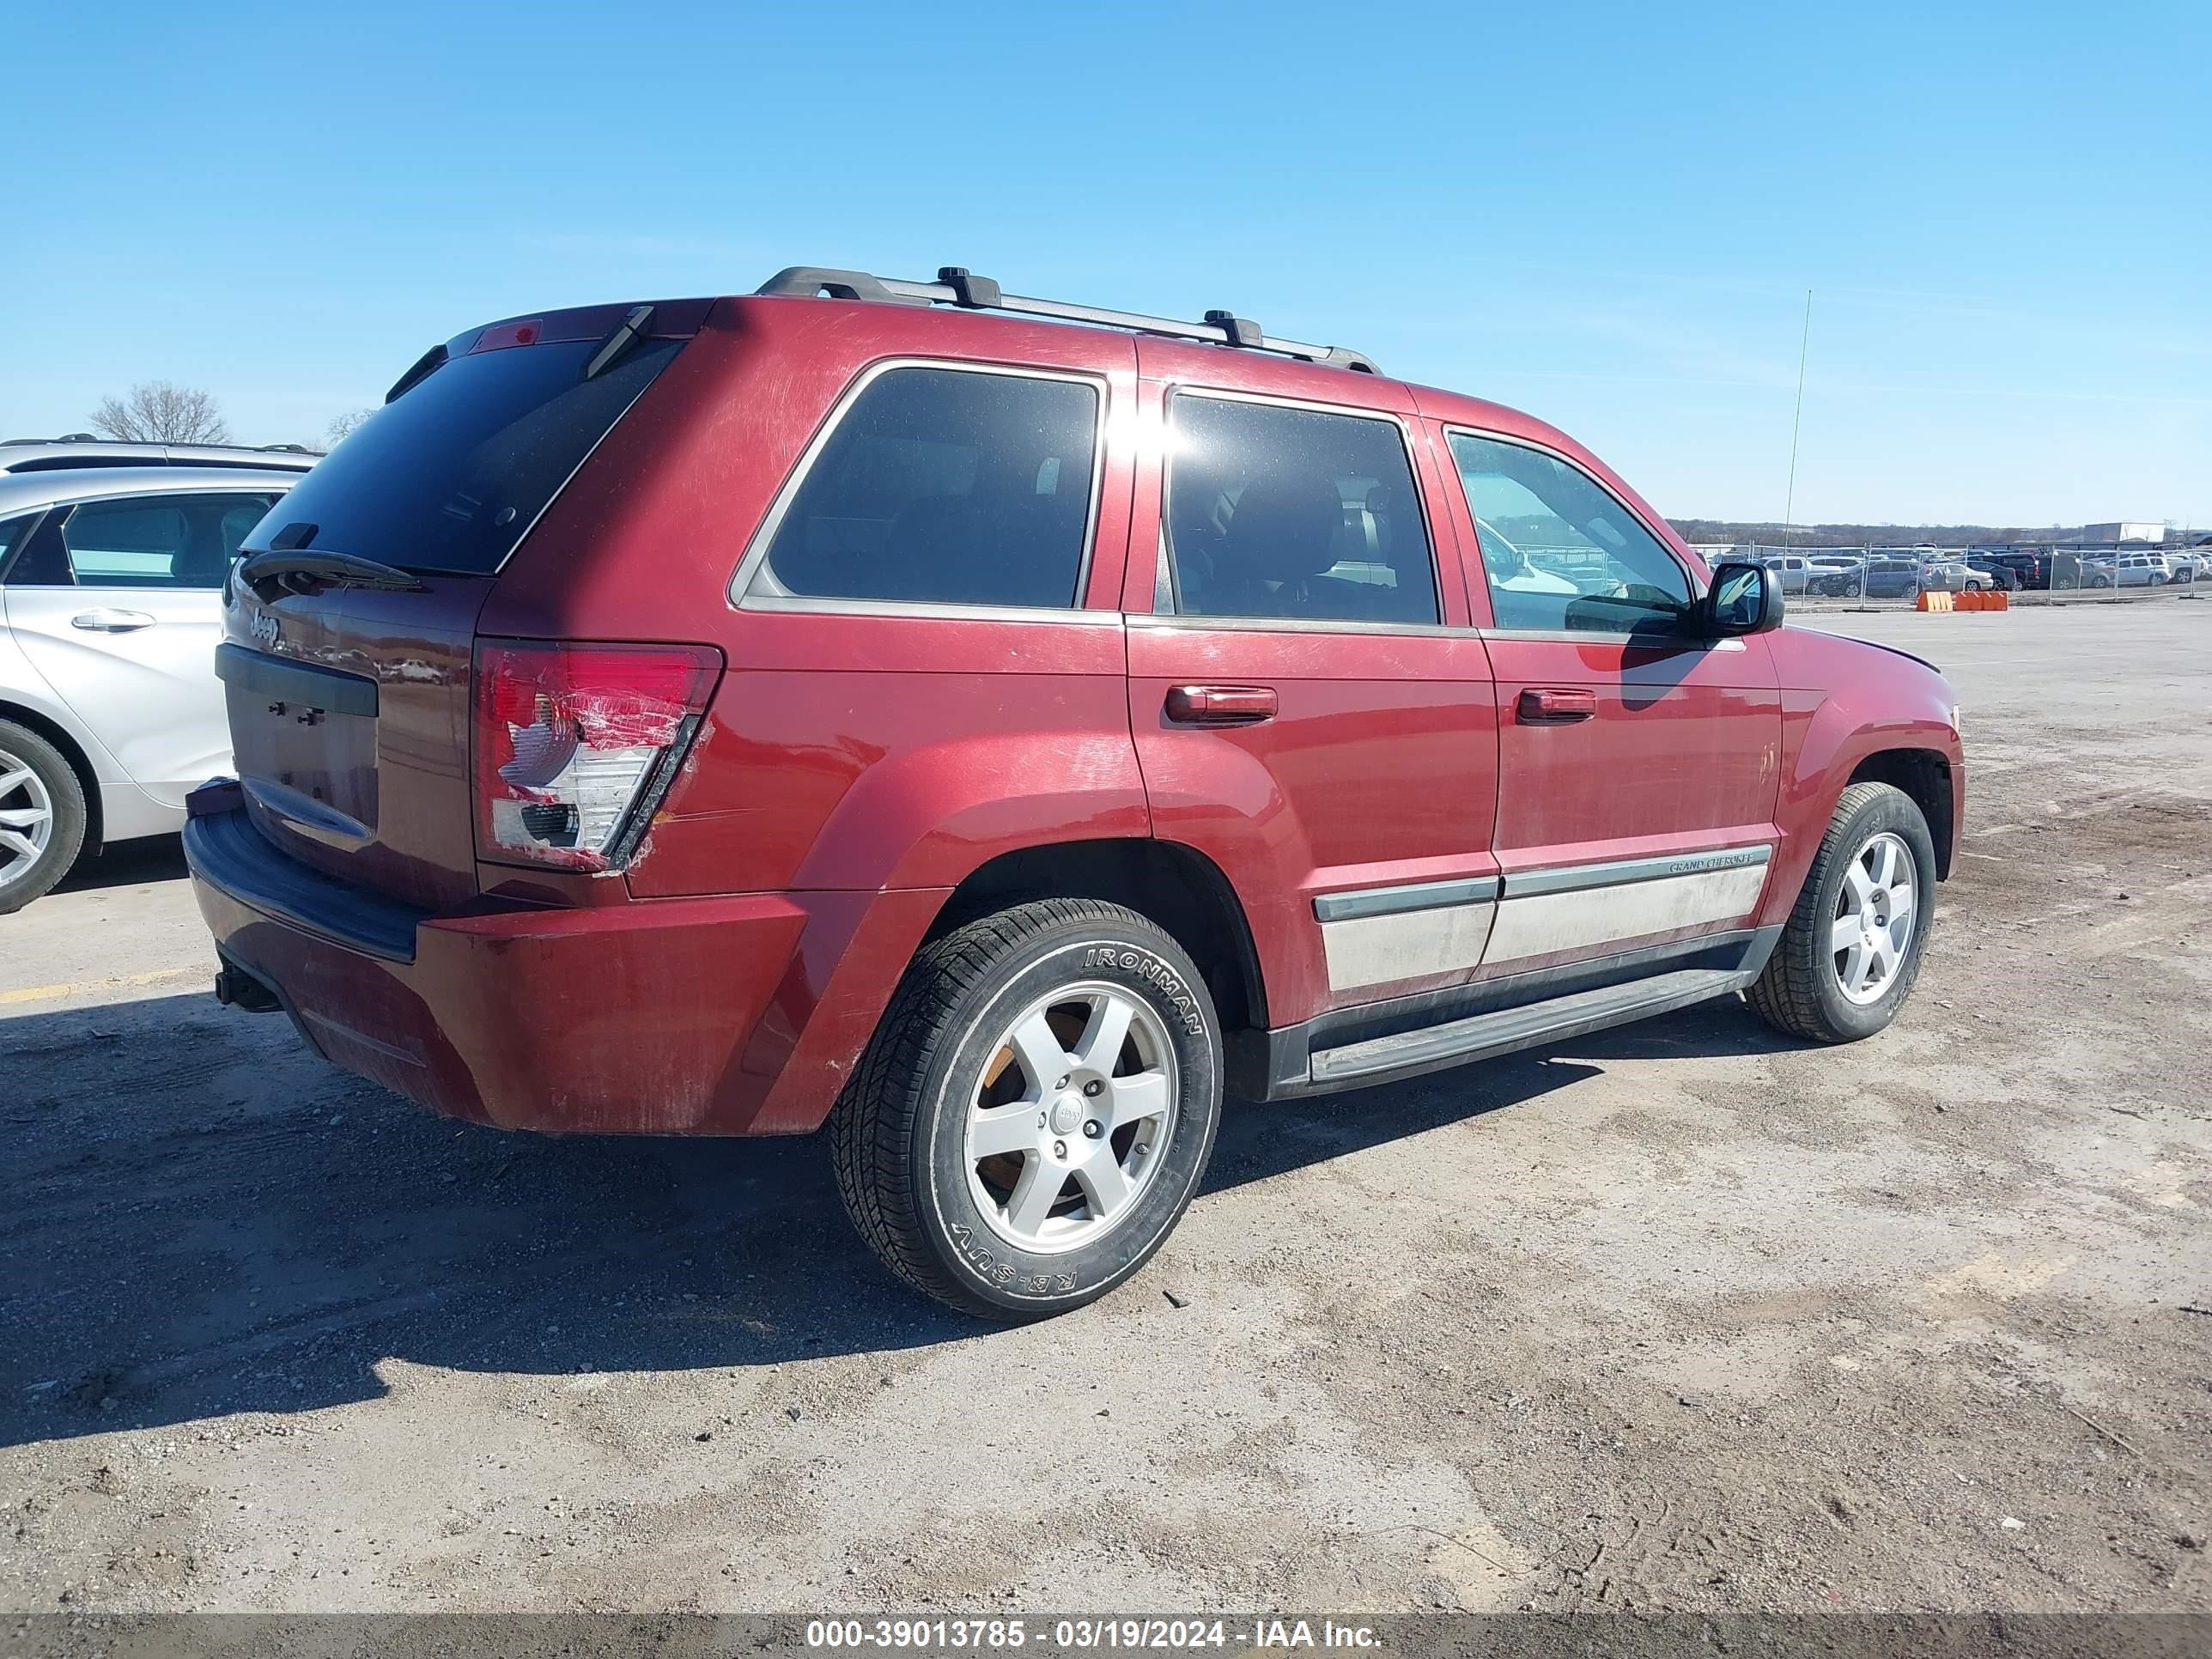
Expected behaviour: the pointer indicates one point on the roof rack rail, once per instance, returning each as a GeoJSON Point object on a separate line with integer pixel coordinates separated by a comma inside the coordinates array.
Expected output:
{"type": "Point", "coordinates": [957, 286]}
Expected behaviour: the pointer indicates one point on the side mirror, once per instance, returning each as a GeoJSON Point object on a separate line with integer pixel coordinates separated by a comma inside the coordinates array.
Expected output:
{"type": "Point", "coordinates": [1744, 598]}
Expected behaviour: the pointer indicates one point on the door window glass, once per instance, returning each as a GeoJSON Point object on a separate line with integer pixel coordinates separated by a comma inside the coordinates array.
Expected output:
{"type": "Point", "coordinates": [1559, 551]}
{"type": "Point", "coordinates": [948, 487]}
{"type": "Point", "coordinates": [12, 532]}
{"type": "Point", "coordinates": [1281, 512]}
{"type": "Point", "coordinates": [159, 541]}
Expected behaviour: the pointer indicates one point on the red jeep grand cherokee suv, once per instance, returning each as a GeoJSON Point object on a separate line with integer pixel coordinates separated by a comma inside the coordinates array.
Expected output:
{"type": "Point", "coordinates": [881, 702]}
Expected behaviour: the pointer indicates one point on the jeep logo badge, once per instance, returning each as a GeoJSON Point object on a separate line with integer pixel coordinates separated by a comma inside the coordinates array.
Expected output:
{"type": "Point", "coordinates": [266, 627]}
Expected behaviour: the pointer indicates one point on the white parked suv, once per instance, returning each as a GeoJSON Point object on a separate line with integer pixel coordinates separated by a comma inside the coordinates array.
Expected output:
{"type": "Point", "coordinates": [2123, 570]}
{"type": "Point", "coordinates": [110, 605]}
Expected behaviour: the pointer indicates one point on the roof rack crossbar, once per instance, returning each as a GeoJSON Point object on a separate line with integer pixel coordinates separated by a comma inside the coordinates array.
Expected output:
{"type": "Point", "coordinates": [956, 286]}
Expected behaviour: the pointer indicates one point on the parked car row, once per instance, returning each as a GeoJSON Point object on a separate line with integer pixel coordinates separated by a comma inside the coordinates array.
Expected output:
{"type": "Point", "coordinates": [1892, 575]}
{"type": "Point", "coordinates": [1902, 575]}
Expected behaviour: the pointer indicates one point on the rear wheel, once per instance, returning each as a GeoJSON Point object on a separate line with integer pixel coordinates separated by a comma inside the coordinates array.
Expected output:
{"type": "Point", "coordinates": [42, 816]}
{"type": "Point", "coordinates": [1851, 950]}
{"type": "Point", "coordinates": [1036, 1110]}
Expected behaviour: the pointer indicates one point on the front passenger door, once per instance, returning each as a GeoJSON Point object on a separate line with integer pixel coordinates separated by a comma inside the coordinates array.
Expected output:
{"type": "Point", "coordinates": [1638, 763]}
{"type": "Point", "coordinates": [1311, 711]}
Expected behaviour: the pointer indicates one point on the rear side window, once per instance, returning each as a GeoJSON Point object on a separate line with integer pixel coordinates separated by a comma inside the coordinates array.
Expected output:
{"type": "Point", "coordinates": [452, 474]}
{"type": "Point", "coordinates": [12, 533]}
{"type": "Point", "coordinates": [944, 486]}
{"type": "Point", "coordinates": [159, 541]}
{"type": "Point", "coordinates": [1279, 512]}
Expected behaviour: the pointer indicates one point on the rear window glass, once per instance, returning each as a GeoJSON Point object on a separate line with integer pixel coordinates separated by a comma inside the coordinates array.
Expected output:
{"type": "Point", "coordinates": [452, 475]}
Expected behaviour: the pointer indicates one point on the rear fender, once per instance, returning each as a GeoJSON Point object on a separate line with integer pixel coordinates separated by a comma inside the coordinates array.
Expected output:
{"type": "Point", "coordinates": [907, 831]}
{"type": "Point", "coordinates": [930, 816]}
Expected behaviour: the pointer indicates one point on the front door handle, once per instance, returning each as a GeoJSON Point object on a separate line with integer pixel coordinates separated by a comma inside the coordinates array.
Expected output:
{"type": "Point", "coordinates": [108, 620]}
{"type": "Point", "coordinates": [1556, 705]}
{"type": "Point", "coordinates": [1220, 705]}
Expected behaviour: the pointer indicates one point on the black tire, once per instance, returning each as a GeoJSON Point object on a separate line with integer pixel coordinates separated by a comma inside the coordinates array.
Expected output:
{"type": "Point", "coordinates": [64, 795]}
{"type": "Point", "coordinates": [1799, 993]}
{"type": "Point", "coordinates": [897, 1135]}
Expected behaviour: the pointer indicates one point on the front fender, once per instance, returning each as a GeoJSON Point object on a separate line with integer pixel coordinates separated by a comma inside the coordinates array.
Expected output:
{"type": "Point", "coordinates": [1843, 702]}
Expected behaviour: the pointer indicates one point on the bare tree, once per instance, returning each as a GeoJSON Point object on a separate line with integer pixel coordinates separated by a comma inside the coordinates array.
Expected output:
{"type": "Point", "coordinates": [159, 413]}
{"type": "Point", "coordinates": [342, 425]}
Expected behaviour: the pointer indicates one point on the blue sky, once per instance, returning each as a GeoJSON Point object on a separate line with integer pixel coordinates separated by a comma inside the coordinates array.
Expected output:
{"type": "Point", "coordinates": [1608, 215]}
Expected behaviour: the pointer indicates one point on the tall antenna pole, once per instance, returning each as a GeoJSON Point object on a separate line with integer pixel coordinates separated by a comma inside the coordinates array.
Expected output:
{"type": "Point", "coordinates": [1790, 506]}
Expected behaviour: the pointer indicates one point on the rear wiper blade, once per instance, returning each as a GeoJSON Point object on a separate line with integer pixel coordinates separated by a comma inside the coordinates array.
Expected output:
{"type": "Point", "coordinates": [289, 570]}
{"type": "Point", "coordinates": [627, 334]}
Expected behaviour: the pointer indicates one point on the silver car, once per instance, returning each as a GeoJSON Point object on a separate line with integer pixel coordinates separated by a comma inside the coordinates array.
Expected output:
{"type": "Point", "coordinates": [110, 599]}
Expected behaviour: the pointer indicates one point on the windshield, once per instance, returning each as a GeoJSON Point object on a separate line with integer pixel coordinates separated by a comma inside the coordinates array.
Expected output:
{"type": "Point", "coordinates": [452, 474]}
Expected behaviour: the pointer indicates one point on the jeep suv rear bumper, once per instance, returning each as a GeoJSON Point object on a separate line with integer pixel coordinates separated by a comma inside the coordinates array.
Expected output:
{"type": "Point", "coordinates": [692, 1016]}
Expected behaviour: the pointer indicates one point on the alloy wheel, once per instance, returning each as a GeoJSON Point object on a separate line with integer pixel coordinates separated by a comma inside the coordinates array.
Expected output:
{"type": "Point", "coordinates": [1071, 1117]}
{"type": "Point", "coordinates": [1876, 911]}
{"type": "Point", "coordinates": [27, 818]}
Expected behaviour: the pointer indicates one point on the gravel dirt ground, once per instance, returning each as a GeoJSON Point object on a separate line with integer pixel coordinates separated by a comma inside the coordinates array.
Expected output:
{"type": "Point", "coordinates": [1682, 1316]}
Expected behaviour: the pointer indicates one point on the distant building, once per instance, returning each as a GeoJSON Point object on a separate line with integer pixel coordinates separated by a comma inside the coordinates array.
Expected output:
{"type": "Point", "coordinates": [2127, 530]}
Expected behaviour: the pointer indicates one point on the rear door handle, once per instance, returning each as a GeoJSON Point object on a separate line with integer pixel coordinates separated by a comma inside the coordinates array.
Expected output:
{"type": "Point", "coordinates": [1220, 705]}
{"type": "Point", "coordinates": [1556, 705]}
{"type": "Point", "coordinates": [108, 620]}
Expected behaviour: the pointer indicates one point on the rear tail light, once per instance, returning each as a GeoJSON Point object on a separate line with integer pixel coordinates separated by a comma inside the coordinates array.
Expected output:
{"type": "Point", "coordinates": [576, 745]}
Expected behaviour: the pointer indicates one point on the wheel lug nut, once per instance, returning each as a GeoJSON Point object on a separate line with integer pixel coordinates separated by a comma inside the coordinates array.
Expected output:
{"type": "Point", "coordinates": [1059, 1149]}
{"type": "Point", "coordinates": [1094, 1129]}
{"type": "Point", "coordinates": [1062, 1083]}
{"type": "Point", "coordinates": [1094, 1088]}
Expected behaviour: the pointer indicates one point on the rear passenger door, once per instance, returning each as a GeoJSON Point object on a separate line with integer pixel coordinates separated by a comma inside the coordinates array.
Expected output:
{"type": "Point", "coordinates": [117, 602]}
{"type": "Point", "coordinates": [1639, 762]}
{"type": "Point", "coordinates": [1311, 711]}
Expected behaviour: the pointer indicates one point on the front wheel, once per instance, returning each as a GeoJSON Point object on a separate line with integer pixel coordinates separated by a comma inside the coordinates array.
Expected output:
{"type": "Point", "coordinates": [1036, 1110]}
{"type": "Point", "coordinates": [1851, 948]}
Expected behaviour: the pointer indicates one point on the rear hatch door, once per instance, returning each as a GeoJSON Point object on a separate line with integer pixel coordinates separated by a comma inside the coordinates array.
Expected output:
{"type": "Point", "coordinates": [350, 619]}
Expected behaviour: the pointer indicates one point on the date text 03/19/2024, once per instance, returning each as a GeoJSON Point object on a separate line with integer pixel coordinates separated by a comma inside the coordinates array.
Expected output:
{"type": "Point", "coordinates": [1083, 1635]}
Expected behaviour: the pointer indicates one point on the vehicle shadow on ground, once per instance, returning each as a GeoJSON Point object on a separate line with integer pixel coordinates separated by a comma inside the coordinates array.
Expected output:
{"type": "Point", "coordinates": [128, 864]}
{"type": "Point", "coordinates": [206, 1219]}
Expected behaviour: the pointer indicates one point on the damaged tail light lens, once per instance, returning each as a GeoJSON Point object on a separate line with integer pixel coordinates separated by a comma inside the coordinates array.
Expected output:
{"type": "Point", "coordinates": [576, 745]}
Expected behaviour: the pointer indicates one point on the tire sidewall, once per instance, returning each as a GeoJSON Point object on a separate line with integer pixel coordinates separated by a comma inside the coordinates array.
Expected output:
{"type": "Point", "coordinates": [66, 791]}
{"type": "Point", "coordinates": [985, 1265]}
{"type": "Point", "coordinates": [1894, 813]}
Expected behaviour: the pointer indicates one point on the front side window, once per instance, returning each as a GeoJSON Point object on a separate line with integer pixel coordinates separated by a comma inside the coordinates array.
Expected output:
{"type": "Point", "coordinates": [1281, 512]}
{"type": "Point", "coordinates": [1560, 552]}
{"type": "Point", "coordinates": [159, 541]}
{"type": "Point", "coordinates": [945, 486]}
